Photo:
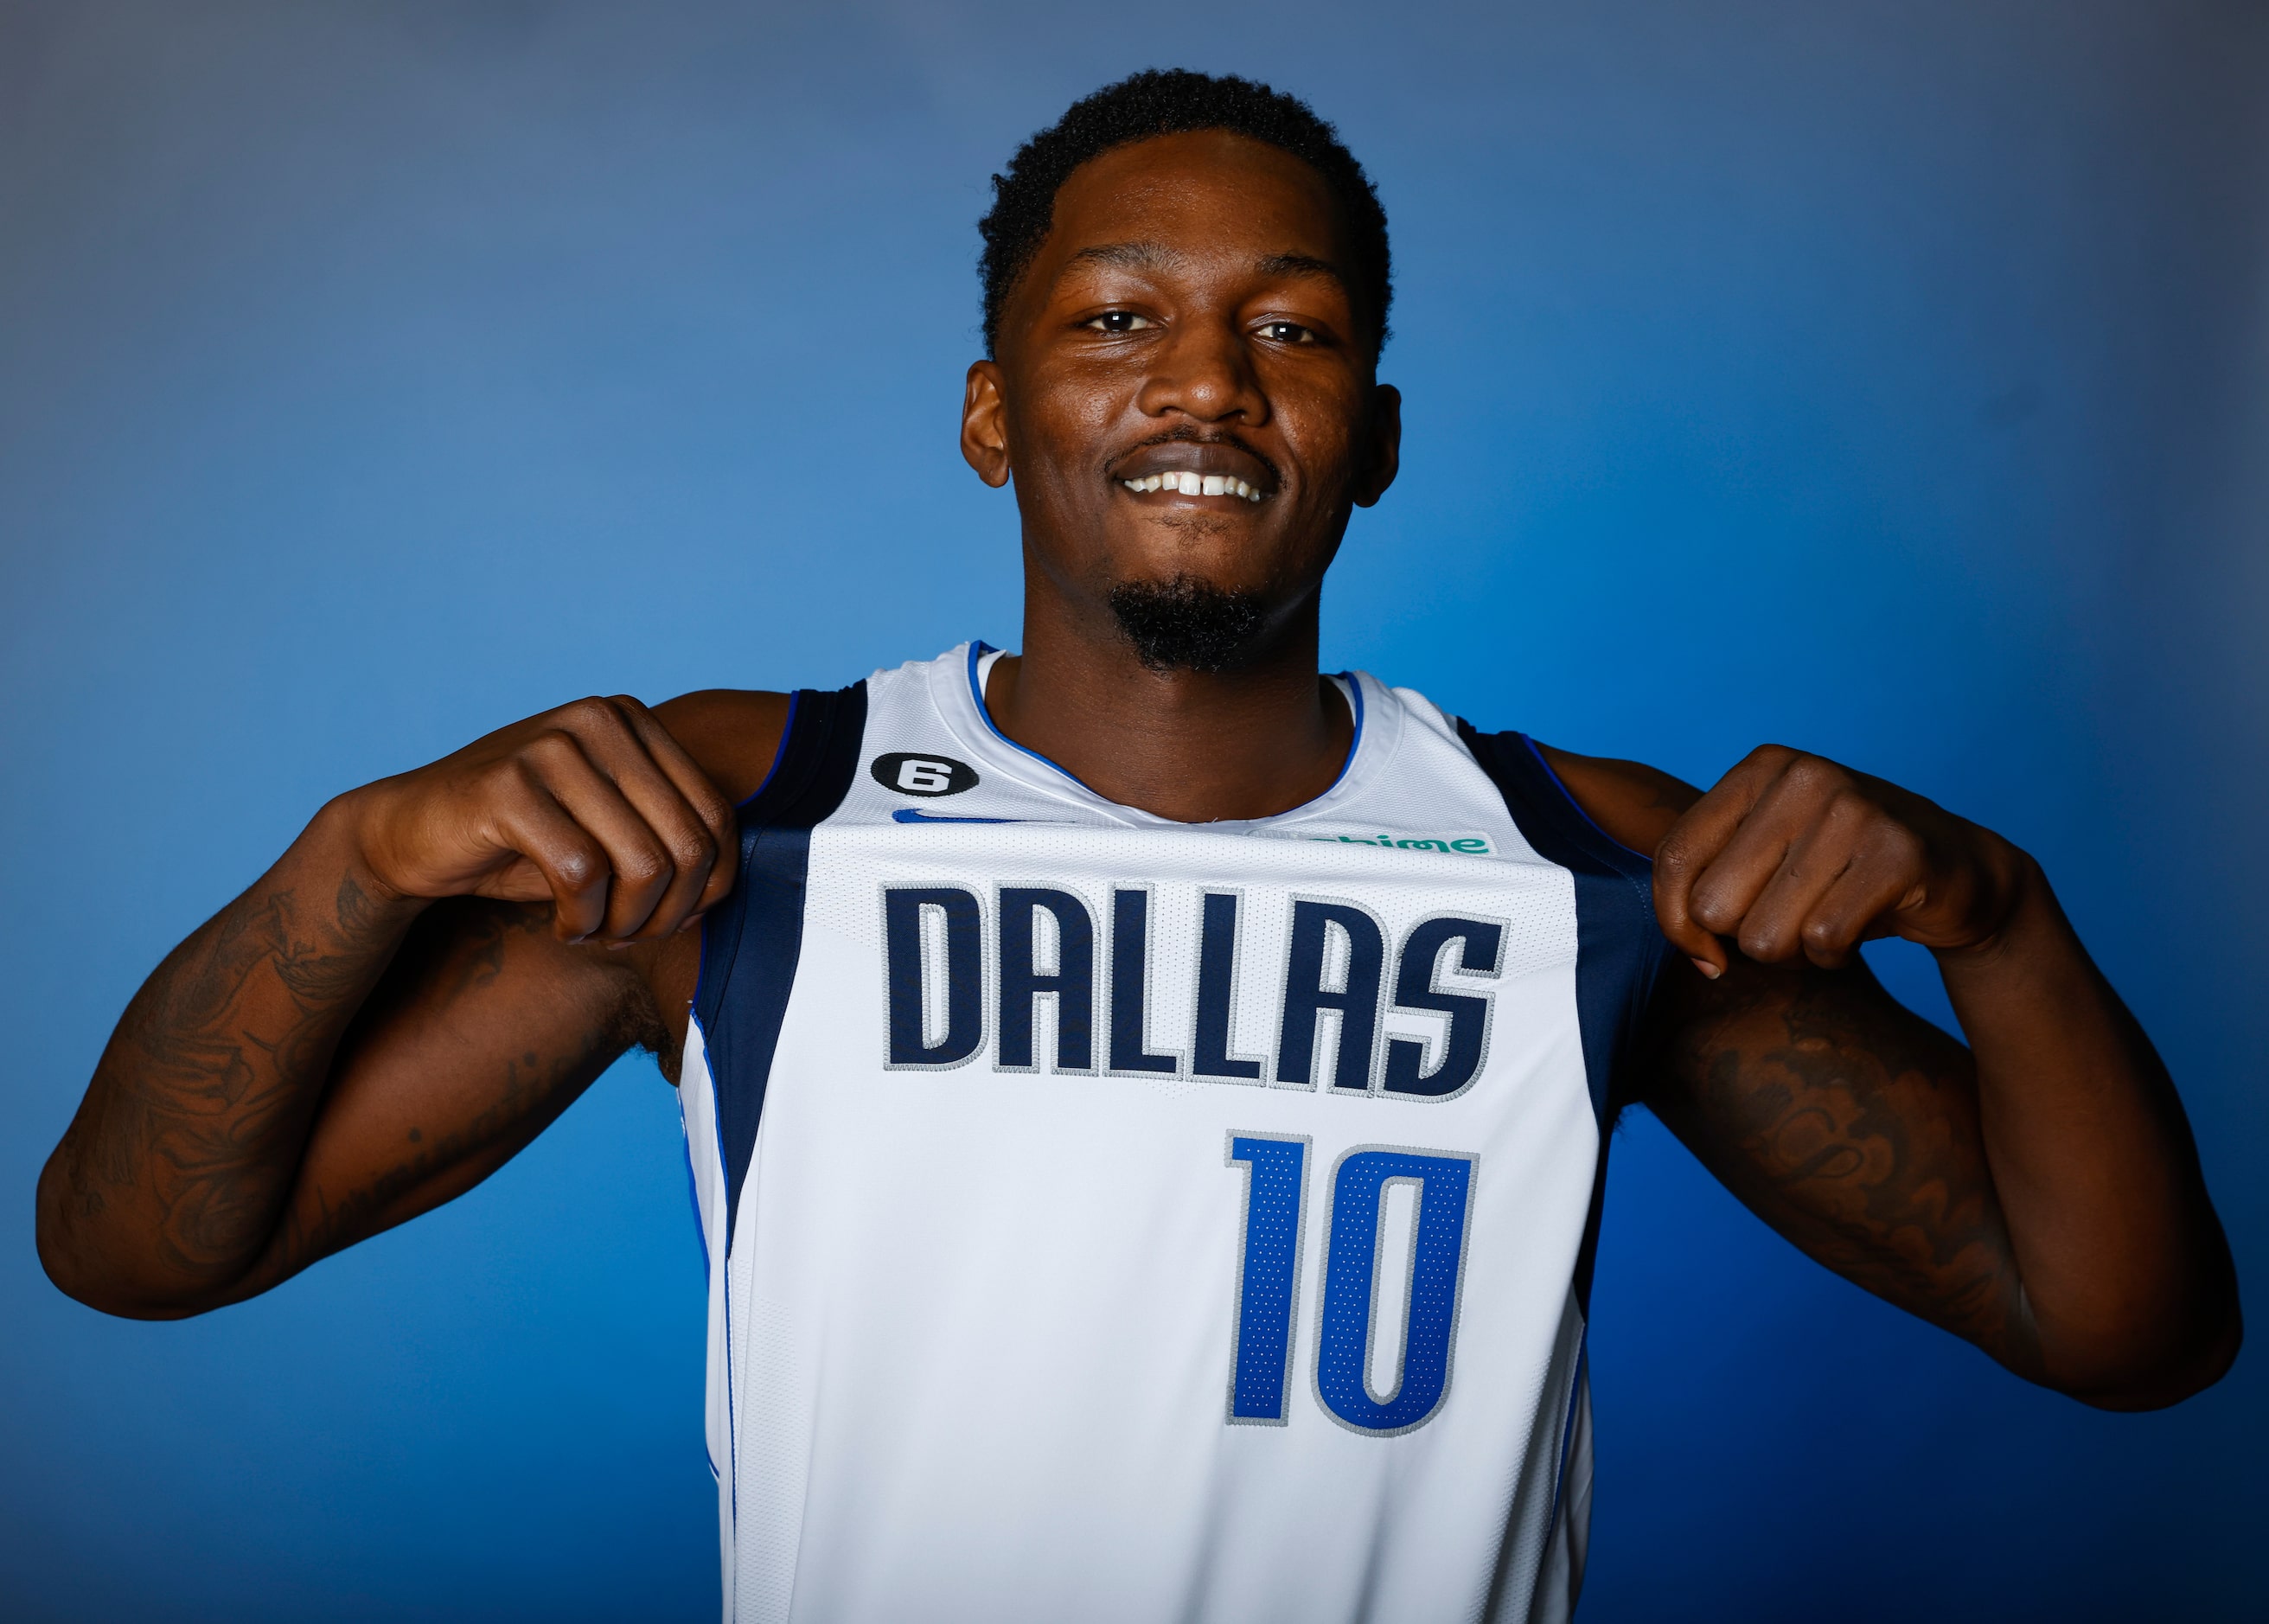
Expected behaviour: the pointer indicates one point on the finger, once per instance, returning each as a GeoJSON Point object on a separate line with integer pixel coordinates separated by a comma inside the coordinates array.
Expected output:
{"type": "Point", "coordinates": [1686, 852]}
{"type": "Point", "coordinates": [1793, 808]}
{"type": "Point", "coordinates": [573, 863]}
{"type": "Point", "coordinates": [706, 801]}
{"type": "Point", "coordinates": [1880, 878]}
{"type": "Point", "coordinates": [1771, 928]}
{"type": "Point", "coordinates": [639, 869]}
{"type": "Point", "coordinates": [609, 732]}
{"type": "Point", "coordinates": [518, 881]}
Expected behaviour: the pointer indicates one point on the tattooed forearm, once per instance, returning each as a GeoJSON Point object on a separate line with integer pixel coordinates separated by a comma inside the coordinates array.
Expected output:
{"type": "Point", "coordinates": [369, 1031]}
{"type": "Point", "coordinates": [1850, 1125]}
{"type": "Point", "coordinates": [532, 1094]}
{"type": "Point", "coordinates": [190, 1132]}
{"type": "Point", "coordinates": [448, 986]}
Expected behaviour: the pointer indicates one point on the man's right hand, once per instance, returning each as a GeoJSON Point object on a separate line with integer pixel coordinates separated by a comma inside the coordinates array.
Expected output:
{"type": "Point", "coordinates": [392, 1011]}
{"type": "Point", "coordinates": [593, 807]}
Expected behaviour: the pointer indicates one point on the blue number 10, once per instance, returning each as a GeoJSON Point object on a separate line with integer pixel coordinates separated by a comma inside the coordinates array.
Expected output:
{"type": "Point", "coordinates": [1348, 1332]}
{"type": "Point", "coordinates": [1268, 1276]}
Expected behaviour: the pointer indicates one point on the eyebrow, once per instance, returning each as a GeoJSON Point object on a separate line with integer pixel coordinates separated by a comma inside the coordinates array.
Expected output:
{"type": "Point", "coordinates": [1158, 256]}
{"type": "Point", "coordinates": [1127, 255]}
{"type": "Point", "coordinates": [1301, 265]}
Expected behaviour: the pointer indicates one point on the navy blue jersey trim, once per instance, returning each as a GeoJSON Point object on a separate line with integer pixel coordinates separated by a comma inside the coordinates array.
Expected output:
{"type": "Point", "coordinates": [779, 752]}
{"type": "Point", "coordinates": [1576, 807]}
{"type": "Point", "coordinates": [750, 945]}
{"type": "Point", "coordinates": [1619, 948]}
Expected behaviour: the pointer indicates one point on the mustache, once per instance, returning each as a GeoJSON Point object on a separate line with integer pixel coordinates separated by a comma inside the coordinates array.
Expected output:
{"type": "Point", "coordinates": [1184, 435]}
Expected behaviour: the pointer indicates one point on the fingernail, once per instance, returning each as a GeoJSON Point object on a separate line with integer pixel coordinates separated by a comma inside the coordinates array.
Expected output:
{"type": "Point", "coordinates": [616, 946]}
{"type": "Point", "coordinates": [1710, 971]}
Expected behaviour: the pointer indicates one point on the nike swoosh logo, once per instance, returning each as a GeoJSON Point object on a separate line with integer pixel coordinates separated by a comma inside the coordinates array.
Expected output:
{"type": "Point", "coordinates": [907, 815]}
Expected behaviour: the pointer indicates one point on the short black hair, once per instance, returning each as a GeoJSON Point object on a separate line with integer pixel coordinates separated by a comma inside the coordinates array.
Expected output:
{"type": "Point", "coordinates": [1166, 102]}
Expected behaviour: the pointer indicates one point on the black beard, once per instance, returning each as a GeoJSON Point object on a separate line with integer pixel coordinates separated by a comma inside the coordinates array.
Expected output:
{"type": "Point", "coordinates": [1188, 624]}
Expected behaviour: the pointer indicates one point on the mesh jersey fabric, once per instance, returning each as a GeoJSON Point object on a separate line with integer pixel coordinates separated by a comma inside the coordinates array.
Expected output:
{"type": "Point", "coordinates": [1118, 1219]}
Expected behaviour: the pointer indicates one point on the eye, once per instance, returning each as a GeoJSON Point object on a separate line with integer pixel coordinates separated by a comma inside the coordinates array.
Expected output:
{"type": "Point", "coordinates": [1286, 333]}
{"type": "Point", "coordinates": [1118, 321]}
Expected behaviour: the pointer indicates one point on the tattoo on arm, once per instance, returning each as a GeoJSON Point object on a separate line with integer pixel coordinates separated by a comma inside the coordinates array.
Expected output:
{"type": "Point", "coordinates": [248, 1114]}
{"type": "Point", "coordinates": [1850, 1125]}
{"type": "Point", "coordinates": [460, 949]}
{"type": "Point", "coordinates": [210, 1065]}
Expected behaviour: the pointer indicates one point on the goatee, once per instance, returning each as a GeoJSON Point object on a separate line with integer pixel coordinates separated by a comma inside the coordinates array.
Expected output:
{"type": "Point", "coordinates": [1188, 624]}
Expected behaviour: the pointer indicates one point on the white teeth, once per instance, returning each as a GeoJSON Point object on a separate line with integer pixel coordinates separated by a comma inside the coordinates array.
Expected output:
{"type": "Point", "coordinates": [1195, 484]}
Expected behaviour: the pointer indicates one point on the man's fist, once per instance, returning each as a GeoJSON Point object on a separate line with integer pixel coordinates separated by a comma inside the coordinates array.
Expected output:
{"type": "Point", "coordinates": [1791, 853]}
{"type": "Point", "coordinates": [592, 807]}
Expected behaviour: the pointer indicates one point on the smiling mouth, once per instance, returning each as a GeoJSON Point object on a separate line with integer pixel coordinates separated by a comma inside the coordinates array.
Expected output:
{"type": "Point", "coordinates": [1193, 485]}
{"type": "Point", "coordinates": [1180, 467]}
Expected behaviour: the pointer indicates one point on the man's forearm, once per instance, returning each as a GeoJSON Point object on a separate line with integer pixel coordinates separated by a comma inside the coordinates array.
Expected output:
{"type": "Point", "coordinates": [172, 1174]}
{"type": "Point", "coordinates": [2125, 1271]}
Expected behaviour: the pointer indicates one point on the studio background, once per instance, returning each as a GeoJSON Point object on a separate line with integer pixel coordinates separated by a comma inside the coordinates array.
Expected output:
{"type": "Point", "coordinates": [1884, 379]}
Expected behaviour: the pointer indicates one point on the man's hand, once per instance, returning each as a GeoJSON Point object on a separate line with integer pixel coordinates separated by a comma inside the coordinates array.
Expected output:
{"type": "Point", "coordinates": [593, 807]}
{"type": "Point", "coordinates": [2037, 1192]}
{"type": "Point", "coordinates": [361, 1036]}
{"type": "Point", "coordinates": [1792, 854]}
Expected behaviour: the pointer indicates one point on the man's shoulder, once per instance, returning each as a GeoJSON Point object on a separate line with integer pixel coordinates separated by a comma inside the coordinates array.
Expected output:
{"type": "Point", "coordinates": [732, 734]}
{"type": "Point", "coordinates": [1633, 803]}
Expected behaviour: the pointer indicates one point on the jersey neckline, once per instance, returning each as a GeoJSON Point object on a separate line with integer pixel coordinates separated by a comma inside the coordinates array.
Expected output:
{"type": "Point", "coordinates": [958, 691]}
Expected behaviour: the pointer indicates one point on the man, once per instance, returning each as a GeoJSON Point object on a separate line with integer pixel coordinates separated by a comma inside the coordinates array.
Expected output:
{"type": "Point", "coordinates": [1147, 1101]}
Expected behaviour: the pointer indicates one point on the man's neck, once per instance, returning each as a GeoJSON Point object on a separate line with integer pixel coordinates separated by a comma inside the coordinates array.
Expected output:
{"type": "Point", "coordinates": [1194, 747]}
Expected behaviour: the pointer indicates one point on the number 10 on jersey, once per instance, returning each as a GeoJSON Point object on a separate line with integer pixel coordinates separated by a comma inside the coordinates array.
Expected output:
{"type": "Point", "coordinates": [1355, 1268]}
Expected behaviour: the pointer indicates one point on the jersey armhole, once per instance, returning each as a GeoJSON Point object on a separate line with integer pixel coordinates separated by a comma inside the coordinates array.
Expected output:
{"type": "Point", "coordinates": [1619, 948]}
{"type": "Point", "coordinates": [812, 772]}
{"type": "Point", "coordinates": [1549, 817]}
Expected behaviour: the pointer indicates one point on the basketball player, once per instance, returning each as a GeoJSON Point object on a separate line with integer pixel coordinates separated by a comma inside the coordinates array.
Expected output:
{"type": "Point", "coordinates": [1147, 1101]}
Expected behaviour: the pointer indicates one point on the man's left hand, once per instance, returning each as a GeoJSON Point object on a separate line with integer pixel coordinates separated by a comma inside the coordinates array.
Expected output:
{"type": "Point", "coordinates": [1792, 854]}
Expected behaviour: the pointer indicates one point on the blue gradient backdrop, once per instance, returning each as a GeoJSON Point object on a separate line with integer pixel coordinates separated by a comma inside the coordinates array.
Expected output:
{"type": "Point", "coordinates": [1887, 378]}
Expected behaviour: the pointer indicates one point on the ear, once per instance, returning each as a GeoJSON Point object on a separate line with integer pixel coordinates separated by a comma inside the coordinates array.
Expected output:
{"type": "Point", "coordinates": [984, 436]}
{"type": "Point", "coordinates": [1385, 451]}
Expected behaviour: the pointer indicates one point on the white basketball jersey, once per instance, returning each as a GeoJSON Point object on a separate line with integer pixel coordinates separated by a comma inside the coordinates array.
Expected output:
{"type": "Point", "coordinates": [1112, 1219]}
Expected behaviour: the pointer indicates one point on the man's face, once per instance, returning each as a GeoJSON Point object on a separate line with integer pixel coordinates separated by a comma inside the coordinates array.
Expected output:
{"type": "Point", "coordinates": [1188, 320]}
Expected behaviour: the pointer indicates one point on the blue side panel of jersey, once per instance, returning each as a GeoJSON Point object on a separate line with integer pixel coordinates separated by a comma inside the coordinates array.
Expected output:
{"type": "Point", "coordinates": [1619, 948]}
{"type": "Point", "coordinates": [750, 945]}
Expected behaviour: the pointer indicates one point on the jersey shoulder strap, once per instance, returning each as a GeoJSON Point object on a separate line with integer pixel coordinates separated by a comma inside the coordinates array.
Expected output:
{"type": "Point", "coordinates": [1619, 948]}
{"type": "Point", "coordinates": [751, 942]}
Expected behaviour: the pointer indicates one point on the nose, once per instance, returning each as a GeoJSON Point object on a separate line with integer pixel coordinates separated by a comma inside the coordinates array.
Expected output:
{"type": "Point", "coordinates": [1204, 371]}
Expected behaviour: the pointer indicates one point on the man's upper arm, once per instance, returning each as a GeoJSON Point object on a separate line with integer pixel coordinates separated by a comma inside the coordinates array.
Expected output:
{"type": "Point", "coordinates": [733, 735]}
{"type": "Point", "coordinates": [1635, 803]}
{"type": "Point", "coordinates": [486, 1027]}
{"type": "Point", "coordinates": [483, 1030]}
{"type": "Point", "coordinates": [1845, 1121]}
